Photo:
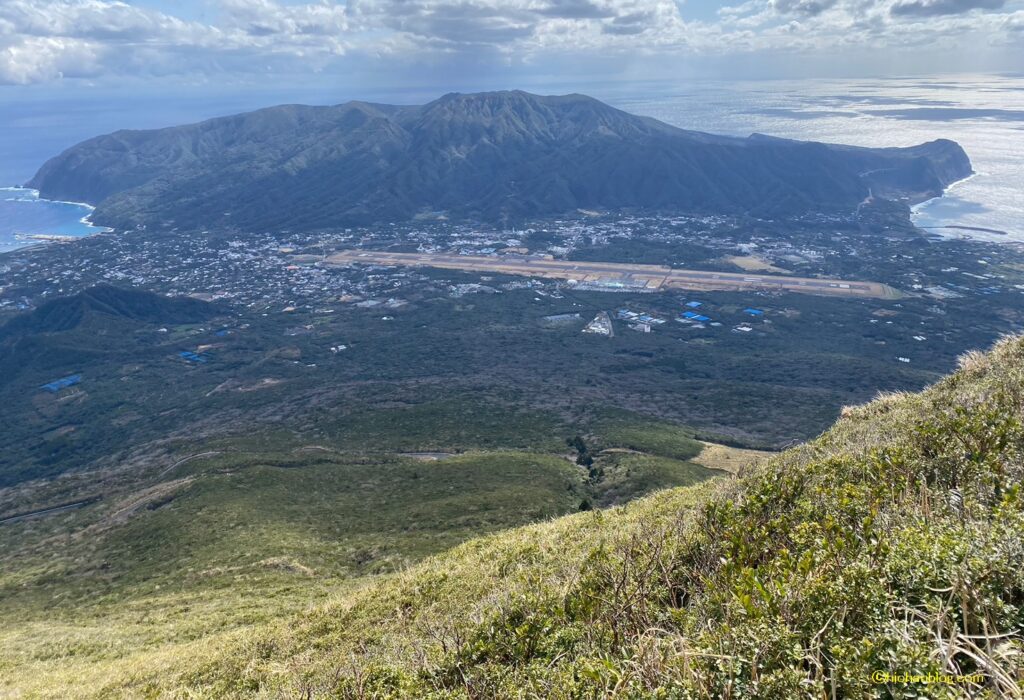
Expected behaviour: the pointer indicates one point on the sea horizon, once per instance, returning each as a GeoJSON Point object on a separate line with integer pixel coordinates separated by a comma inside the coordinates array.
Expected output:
{"type": "Point", "coordinates": [983, 113]}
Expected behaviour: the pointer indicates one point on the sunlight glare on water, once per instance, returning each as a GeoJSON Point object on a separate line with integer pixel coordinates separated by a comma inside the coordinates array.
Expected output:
{"type": "Point", "coordinates": [984, 114]}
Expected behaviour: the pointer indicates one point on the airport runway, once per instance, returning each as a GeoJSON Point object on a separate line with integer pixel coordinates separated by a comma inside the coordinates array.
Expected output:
{"type": "Point", "coordinates": [618, 275]}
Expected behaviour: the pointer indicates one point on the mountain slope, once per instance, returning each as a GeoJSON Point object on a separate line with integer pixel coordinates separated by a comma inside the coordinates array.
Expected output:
{"type": "Point", "coordinates": [69, 313]}
{"type": "Point", "coordinates": [172, 549]}
{"type": "Point", "coordinates": [70, 331]}
{"type": "Point", "coordinates": [101, 334]}
{"type": "Point", "coordinates": [490, 156]}
{"type": "Point", "coordinates": [892, 544]}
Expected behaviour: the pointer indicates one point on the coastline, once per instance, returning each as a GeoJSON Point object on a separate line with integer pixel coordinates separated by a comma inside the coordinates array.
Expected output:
{"type": "Point", "coordinates": [88, 222]}
{"type": "Point", "coordinates": [915, 209]}
{"type": "Point", "coordinates": [60, 221]}
{"type": "Point", "coordinates": [950, 224]}
{"type": "Point", "coordinates": [37, 198]}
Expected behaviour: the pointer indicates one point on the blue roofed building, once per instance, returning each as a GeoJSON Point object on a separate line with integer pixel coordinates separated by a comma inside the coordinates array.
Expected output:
{"type": "Point", "coordinates": [694, 304]}
{"type": "Point", "coordinates": [193, 356]}
{"type": "Point", "coordinates": [62, 383]}
{"type": "Point", "coordinates": [753, 312]}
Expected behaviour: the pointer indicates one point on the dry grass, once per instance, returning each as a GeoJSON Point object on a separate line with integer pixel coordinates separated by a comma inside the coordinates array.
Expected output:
{"type": "Point", "coordinates": [734, 460]}
{"type": "Point", "coordinates": [752, 263]}
{"type": "Point", "coordinates": [893, 542]}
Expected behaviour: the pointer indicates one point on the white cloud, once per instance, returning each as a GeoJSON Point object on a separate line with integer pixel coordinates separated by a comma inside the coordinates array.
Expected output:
{"type": "Point", "coordinates": [930, 8]}
{"type": "Point", "coordinates": [263, 18]}
{"type": "Point", "coordinates": [42, 40]}
{"type": "Point", "coordinates": [1014, 22]}
{"type": "Point", "coordinates": [40, 59]}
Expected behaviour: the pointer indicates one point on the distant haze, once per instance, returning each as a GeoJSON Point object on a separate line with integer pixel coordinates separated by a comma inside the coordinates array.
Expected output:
{"type": "Point", "coordinates": [980, 112]}
{"type": "Point", "coordinates": [355, 44]}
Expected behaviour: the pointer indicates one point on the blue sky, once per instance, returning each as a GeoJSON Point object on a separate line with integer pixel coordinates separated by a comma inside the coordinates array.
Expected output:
{"type": "Point", "coordinates": [372, 43]}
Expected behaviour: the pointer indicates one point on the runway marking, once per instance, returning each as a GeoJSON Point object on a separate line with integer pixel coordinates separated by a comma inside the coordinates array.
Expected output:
{"type": "Point", "coordinates": [641, 276]}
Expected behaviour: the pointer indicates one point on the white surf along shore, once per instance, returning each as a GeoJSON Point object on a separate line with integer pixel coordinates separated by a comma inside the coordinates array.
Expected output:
{"type": "Point", "coordinates": [28, 196]}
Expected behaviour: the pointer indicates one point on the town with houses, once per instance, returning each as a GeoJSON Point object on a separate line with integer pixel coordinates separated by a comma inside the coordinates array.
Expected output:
{"type": "Point", "coordinates": [270, 274]}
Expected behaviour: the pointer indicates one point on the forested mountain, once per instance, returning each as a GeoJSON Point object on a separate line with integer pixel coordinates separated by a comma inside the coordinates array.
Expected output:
{"type": "Point", "coordinates": [499, 156]}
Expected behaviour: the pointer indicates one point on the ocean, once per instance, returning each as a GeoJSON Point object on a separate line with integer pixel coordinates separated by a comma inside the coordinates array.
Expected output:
{"type": "Point", "coordinates": [24, 217]}
{"type": "Point", "coordinates": [984, 113]}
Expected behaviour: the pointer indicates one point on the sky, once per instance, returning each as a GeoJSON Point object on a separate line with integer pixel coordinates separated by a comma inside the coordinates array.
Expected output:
{"type": "Point", "coordinates": [217, 45]}
{"type": "Point", "coordinates": [72, 69]}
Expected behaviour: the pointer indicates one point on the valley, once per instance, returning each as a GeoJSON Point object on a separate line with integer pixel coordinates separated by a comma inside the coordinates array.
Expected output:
{"type": "Point", "coordinates": [277, 339]}
{"type": "Point", "coordinates": [293, 431]}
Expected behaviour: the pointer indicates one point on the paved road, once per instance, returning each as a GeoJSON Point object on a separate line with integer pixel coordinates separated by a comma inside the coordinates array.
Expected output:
{"type": "Point", "coordinates": [627, 275]}
{"type": "Point", "coordinates": [48, 511]}
{"type": "Point", "coordinates": [187, 459]}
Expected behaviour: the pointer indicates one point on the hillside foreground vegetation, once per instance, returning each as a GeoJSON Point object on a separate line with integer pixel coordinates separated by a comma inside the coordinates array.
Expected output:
{"type": "Point", "coordinates": [189, 540]}
{"type": "Point", "coordinates": [892, 544]}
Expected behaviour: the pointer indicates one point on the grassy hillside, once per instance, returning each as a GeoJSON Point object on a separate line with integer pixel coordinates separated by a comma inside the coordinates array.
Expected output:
{"type": "Point", "coordinates": [191, 541]}
{"type": "Point", "coordinates": [893, 544]}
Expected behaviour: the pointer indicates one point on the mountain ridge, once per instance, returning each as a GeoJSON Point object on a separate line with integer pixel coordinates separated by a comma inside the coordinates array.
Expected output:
{"type": "Point", "coordinates": [494, 156]}
{"type": "Point", "coordinates": [67, 332]}
{"type": "Point", "coordinates": [67, 313]}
